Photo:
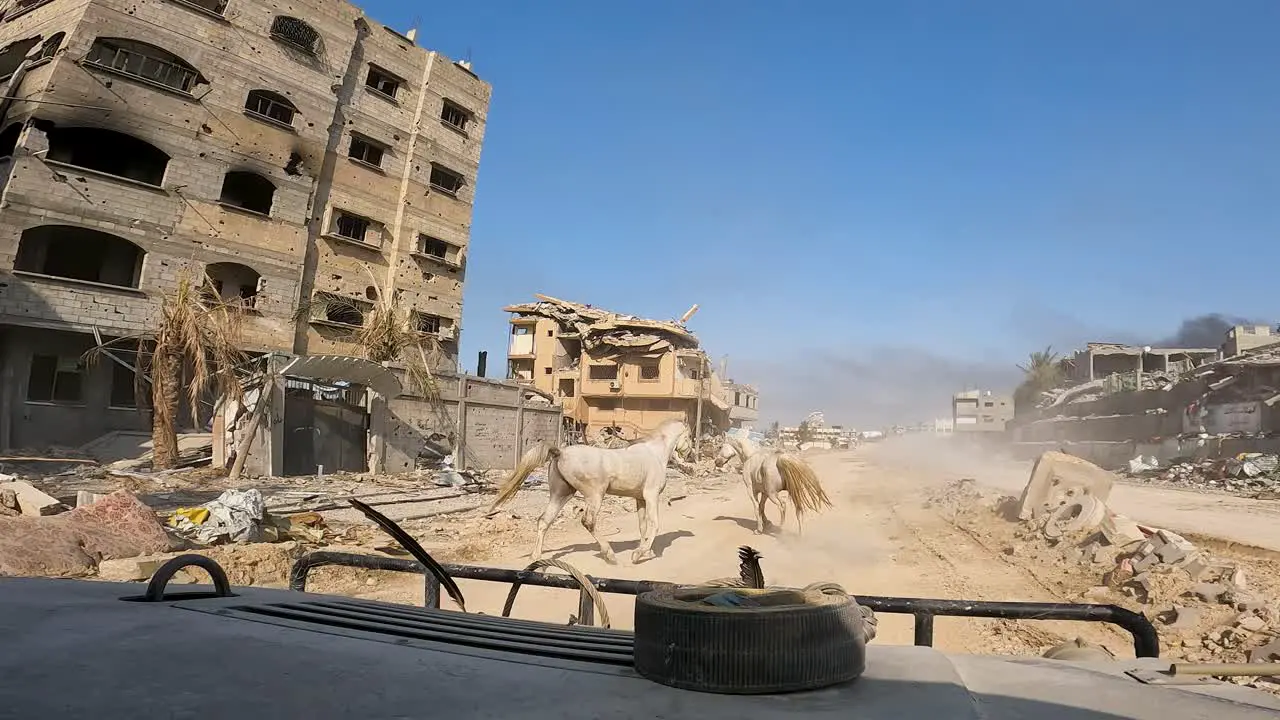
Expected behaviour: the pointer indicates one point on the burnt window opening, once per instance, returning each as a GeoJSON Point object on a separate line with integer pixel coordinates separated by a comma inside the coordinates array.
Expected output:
{"type": "Point", "coordinates": [602, 372]}
{"type": "Point", "coordinates": [435, 247]}
{"type": "Point", "coordinates": [381, 81]}
{"type": "Point", "coordinates": [143, 61]}
{"type": "Point", "coordinates": [55, 379]}
{"type": "Point", "coordinates": [649, 371]}
{"type": "Point", "coordinates": [51, 46]}
{"type": "Point", "coordinates": [232, 284]}
{"type": "Point", "coordinates": [78, 253]}
{"type": "Point", "coordinates": [366, 151]}
{"type": "Point", "coordinates": [429, 324]}
{"type": "Point", "coordinates": [351, 227]}
{"type": "Point", "coordinates": [453, 115]}
{"type": "Point", "coordinates": [12, 55]}
{"type": "Point", "coordinates": [338, 309]}
{"type": "Point", "coordinates": [124, 385]}
{"type": "Point", "coordinates": [296, 33]}
{"type": "Point", "coordinates": [110, 152]}
{"type": "Point", "coordinates": [272, 106]}
{"type": "Point", "coordinates": [247, 191]}
{"type": "Point", "coordinates": [9, 139]}
{"type": "Point", "coordinates": [216, 7]}
{"type": "Point", "coordinates": [445, 180]}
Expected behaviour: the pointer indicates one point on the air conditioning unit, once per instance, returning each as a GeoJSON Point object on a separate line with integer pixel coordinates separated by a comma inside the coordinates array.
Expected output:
{"type": "Point", "coordinates": [615, 384]}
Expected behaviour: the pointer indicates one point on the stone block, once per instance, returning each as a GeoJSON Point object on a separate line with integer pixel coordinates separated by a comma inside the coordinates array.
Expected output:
{"type": "Point", "coordinates": [1209, 592]}
{"type": "Point", "coordinates": [131, 569]}
{"type": "Point", "coordinates": [1185, 618]}
{"type": "Point", "coordinates": [33, 502]}
{"type": "Point", "coordinates": [1120, 530]}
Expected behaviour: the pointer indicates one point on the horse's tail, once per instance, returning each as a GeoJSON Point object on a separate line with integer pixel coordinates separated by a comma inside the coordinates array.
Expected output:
{"type": "Point", "coordinates": [802, 484]}
{"type": "Point", "coordinates": [534, 458]}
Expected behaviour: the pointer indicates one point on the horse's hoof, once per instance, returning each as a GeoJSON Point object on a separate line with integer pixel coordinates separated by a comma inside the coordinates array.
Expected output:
{"type": "Point", "coordinates": [637, 558]}
{"type": "Point", "coordinates": [611, 559]}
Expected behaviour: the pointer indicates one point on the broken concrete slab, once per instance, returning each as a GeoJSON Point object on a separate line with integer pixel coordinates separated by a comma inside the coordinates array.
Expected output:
{"type": "Point", "coordinates": [1172, 548]}
{"type": "Point", "coordinates": [1055, 477]}
{"type": "Point", "coordinates": [1185, 618]}
{"type": "Point", "coordinates": [1209, 592]}
{"type": "Point", "coordinates": [1250, 622]}
{"type": "Point", "coordinates": [1267, 653]}
{"type": "Point", "coordinates": [31, 501]}
{"type": "Point", "coordinates": [1120, 530]}
{"type": "Point", "coordinates": [131, 569]}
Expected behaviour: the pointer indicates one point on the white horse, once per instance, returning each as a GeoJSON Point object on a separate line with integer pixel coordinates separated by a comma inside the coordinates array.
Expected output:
{"type": "Point", "coordinates": [769, 472]}
{"type": "Point", "coordinates": [638, 471]}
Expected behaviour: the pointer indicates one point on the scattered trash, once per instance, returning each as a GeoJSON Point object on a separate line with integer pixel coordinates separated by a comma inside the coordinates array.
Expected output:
{"type": "Point", "coordinates": [235, 516]}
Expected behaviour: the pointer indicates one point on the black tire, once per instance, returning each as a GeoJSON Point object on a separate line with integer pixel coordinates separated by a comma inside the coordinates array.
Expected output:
{"type": "Point", "coordinates": [798, 641]}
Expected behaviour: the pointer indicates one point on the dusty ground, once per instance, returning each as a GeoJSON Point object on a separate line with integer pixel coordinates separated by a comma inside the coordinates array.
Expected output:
{"type": "Point", "coordinates": [886, 535]}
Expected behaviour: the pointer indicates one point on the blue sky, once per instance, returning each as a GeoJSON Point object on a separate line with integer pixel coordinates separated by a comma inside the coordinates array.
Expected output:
{"type": "Point", "coordinates": [872, 202]}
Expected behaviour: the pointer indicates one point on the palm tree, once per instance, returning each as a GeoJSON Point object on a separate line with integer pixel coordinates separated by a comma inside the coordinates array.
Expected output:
{"type": "Point", "coordinates": [194, 348]}
{"type": "Point", "coordinates": [1042, 372]}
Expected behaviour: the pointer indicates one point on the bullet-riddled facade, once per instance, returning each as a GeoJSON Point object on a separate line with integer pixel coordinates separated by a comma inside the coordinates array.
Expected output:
{"type": "Point", "coordinates": [303, 156]}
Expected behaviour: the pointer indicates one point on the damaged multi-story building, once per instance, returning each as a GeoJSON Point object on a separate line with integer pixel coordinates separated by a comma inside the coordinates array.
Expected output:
{"type": "Point", "coordinates": [1162, 403]}
{"type": "Point", "coordinates": [304, 157]}
{"type": "Point", "coordinates": [613, 373]}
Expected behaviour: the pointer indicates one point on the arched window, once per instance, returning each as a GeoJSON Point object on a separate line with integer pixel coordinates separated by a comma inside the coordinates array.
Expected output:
{"type": "Point", "coordinates": [272, 106]}
{"type": "Point", "coordinates": [247, 191]}
{"type": "Point", "coordinates": [12, 55]}
{"type": "Point", "coordinates": [51, 46]}
{"type": "Point", "coordinates": [294, 32]}
{"type": "Point", "coordinates": [79, 253]}
{"type": "Point", "coordinates": [234, 283]}
{"type": "Point", "coordinates": [110, 152]}
{"type": "Point", "coordinates": [143, 61]}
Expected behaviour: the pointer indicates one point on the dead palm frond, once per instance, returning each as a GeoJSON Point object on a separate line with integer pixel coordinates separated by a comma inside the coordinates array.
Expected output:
{"type": "Point", "coordinates": [192, 348]}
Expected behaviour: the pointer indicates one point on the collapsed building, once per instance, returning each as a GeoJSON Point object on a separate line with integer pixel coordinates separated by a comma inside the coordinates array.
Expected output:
{"type": "Point", "coordinates": [614, 373]}
{"type": "Point", "coordinates": [1170, 403]}
{"type": "Point", "coordinates": [306, 160]}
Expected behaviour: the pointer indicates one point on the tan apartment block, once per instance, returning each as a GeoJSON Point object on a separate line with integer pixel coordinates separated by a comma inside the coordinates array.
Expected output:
{"type": "Point", "coordinates": [303, 156]}
{"type": "Point", "coordinates": [743, 404]}
{"type": "Point", "coordinates": [980, 411]}
{"type": "Point", "coordinates": [613, 371]}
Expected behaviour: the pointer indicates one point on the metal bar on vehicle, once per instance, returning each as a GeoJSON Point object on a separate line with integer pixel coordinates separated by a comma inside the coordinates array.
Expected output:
{"type": "Point", "coordinates": [1145, 641]}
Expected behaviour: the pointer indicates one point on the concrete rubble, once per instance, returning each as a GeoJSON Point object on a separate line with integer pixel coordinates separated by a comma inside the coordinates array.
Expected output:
{"type": "Point", "coordinates": [1204, 603]}
{"type": "Point", "coordinates": [1249, 474]}
{"type": "Point", "coordinates": [602, 330]}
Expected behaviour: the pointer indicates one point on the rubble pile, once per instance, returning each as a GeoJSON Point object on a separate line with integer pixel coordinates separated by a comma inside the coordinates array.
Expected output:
{"type": "Point", "coordinates": [1248, 474]}
{"type": "Point", "coordinates": [1205, 607]}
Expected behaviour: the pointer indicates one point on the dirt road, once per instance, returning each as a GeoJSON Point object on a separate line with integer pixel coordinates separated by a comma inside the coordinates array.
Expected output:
{"type": "Point", "coordinates": [1218, 515]}
{"type": "Point", "coordinates": [879, 539]}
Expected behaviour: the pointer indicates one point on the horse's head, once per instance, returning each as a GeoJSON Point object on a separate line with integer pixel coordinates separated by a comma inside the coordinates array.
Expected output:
{"type": "Point", "coordinates": [727, 451]}
{"type": "Point", "coordinates": [676, 433]}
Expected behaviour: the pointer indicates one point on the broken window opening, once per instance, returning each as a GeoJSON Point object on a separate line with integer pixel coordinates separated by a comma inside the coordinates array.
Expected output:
{"type": "Point", "coordinates": [233, 284]}
{"type": "Point", "coordinates": [271, 106]}
{"type": "Point", "coordinates": [9, 139]}
{"type": "Point", "coordinates": [216, 7]}
{"type": "Point", "coordinates": [12, 55]}
{"type": "Point", "coordinates": [247, 191]}
{"type": "Point", "coordinates": [55, 379]}
{"type": "Point", "coordinates": [429, 324]}
{"type": "Point", "coordinates": [453, 115]}
{"type": "Point", "coordinates": [78, 253]}
{"type": "Point", "coordinates": [603, 372]}
{"type": "Point", "coordinates": [351, 227]}
{"type": "Point", "coordinates": [435, 247]}
{"type": "Point", "coordinates": [296, 33]}
{"type": "Point", "coordinates": [339, 310]}
{"type": "Point", "coordinates": [445, 180]}
{"type": "Point", "coordinates": [649, 371]}
{"type": "Point", "coordinates": [366, 151]}
{"type": "Point", "coordinates": [143, 61]}
{"type": "Point", "coordinates": [109, 152]}
{"type": "Point", "coordinates": [382, 82]}
{"type": "Point", "coordinates": [567, 388]}
{"type": "Point", "coordinates": [51, 46]}
{"type": "Point", "coordinates": [124, 386]}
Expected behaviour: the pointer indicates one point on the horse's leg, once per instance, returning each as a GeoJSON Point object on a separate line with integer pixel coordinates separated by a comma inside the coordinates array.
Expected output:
{"type": "Point", "coordinates": [782, 508]}
{"type": "Point", "coordinates": [560, 491]}
{"type": "Point", "coordinates": [594, 503]}
{"type": "Point", "coordinates": [649, 520]}
{"type": "Point", "coordinates": [761, 520]}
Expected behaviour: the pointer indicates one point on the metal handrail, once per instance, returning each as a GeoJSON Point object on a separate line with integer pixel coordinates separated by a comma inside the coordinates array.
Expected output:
{"type": "Point", "coordinates": [1146, 642]}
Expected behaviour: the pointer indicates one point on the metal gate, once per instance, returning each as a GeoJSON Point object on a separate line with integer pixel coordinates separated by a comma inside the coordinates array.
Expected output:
{"type": "Point", "coordinates": [324, 427]}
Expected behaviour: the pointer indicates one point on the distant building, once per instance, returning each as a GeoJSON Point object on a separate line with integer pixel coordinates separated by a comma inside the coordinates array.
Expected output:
{"type": "Point", "coordinates": [743, 400]}
{"type": "Point", "coordinates": [1099, 360]}
{"type": "Point", "coordinates": [980, 411]}
{"type": "Point", "coordinates": [1247, 337]}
